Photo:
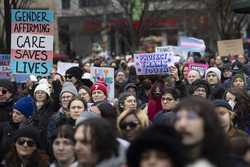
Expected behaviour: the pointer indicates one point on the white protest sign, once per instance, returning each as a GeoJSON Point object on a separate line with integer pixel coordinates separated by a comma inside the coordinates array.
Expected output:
{"type": "Point", "coordinates": [107, 74]}
{"type": "Point", "coordinates": [32, 41]}
{"type": "Point", "coordinates": [178, 51]}
{"type": "Point", "coordinates": [154, 63]}
{"type": "Point", "coordinates": [62, 67]}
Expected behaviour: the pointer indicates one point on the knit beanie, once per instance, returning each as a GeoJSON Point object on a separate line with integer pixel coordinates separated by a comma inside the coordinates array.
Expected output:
{"type": "Point", "coordinates": [75, 72]}
{"type": "Point", "coordinates": [69, 87]}
{"type": "Point", "coordinates": [30, 132]}
{"type": "Point", "coordinates": [26, 106]}
{"type": "Point", "coordinates": [86, 115]}
{"type": "Point", "coordinates": [237, 67]}
{"type": "Point", "coordinates": [199, 83]}
{"type": "Point", "coordinates": [222, 103]}
{"type": "Point", "coordinates": [5, 83]}
{"type": "Point", "coordinates": [43, 81]}
{"type": "Point", "coordinates": [130, 85]}
{"type": "Point", "coordinates": [43, 87]}
{"type": "Point", "coordinates": [214, 70]}
{"type": "Point", "coordinates": [100, 85]}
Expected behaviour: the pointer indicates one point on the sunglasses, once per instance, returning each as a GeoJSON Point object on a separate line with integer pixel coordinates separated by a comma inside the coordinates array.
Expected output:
{"type": "Point", "coordinates": [131, 125]}
{"type": "Point", "coordinates": [68, 76]}
{"type": "Point", "coordinates": [30, 143]}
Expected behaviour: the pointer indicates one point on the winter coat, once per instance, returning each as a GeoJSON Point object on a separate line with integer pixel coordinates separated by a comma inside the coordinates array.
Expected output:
{"type": "Point", "coordinates": [40, 120]}
{"type": "Point", "coordinates": [53, 122]}
{"type": "Point", "coordinates": [115, 161]}
{"type": "Point", "coordinates": [5, 110]}
{"type": "Point", "coordinates": [7, 130]}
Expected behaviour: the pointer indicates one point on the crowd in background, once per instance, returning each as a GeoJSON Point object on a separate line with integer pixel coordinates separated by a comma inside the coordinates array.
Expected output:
{"type": "Point", "coordinates": [179, 119]}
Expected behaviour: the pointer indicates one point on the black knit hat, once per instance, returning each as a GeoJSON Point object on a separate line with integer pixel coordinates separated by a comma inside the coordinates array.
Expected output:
{"type": "Point", "coordinates": [130, 85]}
{"type": "Point", "coordinates": [30, 132]}
{"type": "Point", "coordinates": [158, 138]}
{"type": "Point", "coordinates": [222, 103]}
{"type": "Point", "coordinates": [7, 84]}
{"type": "Point", "coordinates": [199, 83]}
{"type": "Point", "coordinates": [75, 72]}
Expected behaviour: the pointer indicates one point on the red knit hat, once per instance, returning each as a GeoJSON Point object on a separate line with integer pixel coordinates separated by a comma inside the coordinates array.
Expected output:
{"type": "Point", "coordinates": [100, 85]}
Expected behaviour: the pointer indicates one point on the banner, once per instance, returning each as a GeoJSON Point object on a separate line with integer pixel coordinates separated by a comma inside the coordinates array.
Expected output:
{"type": "Point", "coordinates": [4, 66]}
{"type": "Point", "coordinates": [201, 68]}
{"type": "Point", "coordinates": [32, 41]}
{"type": "Point", "coordinates": [154, 63]}
{"type": "Point", "coordinates": [108, 75]}
{"type": "Point", "coordinates": [62, 67]}
{"type": "Point", "coordinates": [230, 47]}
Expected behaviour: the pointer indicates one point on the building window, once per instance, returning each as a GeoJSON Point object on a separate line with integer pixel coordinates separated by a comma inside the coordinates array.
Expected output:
{"type": "Point", "coordinates": [90, 3]}
{"type": "Point", "coordinates": [65, 4]}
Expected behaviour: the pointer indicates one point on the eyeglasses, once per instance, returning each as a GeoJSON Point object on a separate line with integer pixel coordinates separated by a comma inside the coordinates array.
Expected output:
{"type": "Point", "coordinates": [131, 125]}
{"type": "Point", "coordinates": [166, 99]}
{"type": "Point", "coordinates": [4, 91]}
{"type": "Point", "coordinates": [30, 143]}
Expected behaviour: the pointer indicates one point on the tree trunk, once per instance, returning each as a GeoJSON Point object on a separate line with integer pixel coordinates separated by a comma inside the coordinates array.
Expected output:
{"type": "Point", "coordinates": [7, 21]}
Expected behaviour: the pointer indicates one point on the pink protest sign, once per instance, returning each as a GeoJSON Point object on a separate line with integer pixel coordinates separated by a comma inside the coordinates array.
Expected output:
{"type": "Point", "coordinates": [201, 68]}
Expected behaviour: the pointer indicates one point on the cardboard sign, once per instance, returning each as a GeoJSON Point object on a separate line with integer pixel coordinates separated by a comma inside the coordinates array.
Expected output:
{"type": "Point", "coordinates": [154, 63]}
{"type": "Point", "coordinates": [108, 75]}
{"type": "Point", "coordinates": [230, 47]}
{"type": "Point", "coordinates": [201, 68]}
{"type": "Point", "coordinates": [32, 42]}
{"type": "Point", "coordinates": [62, 67]}
{"type": "Point", "coordinates": [4, 66]}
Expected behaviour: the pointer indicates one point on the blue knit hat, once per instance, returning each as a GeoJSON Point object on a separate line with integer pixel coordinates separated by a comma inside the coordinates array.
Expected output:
{"type": "Point", "coordinates": [26, 106]}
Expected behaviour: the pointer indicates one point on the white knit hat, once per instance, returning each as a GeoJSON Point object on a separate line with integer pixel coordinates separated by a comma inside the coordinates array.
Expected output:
{"type": "Point", "coordinates": [43, 87]}
{"type": "Point", "coordinates": [43, 81]}
{"type": "Point", "coordinates": [214, 70]}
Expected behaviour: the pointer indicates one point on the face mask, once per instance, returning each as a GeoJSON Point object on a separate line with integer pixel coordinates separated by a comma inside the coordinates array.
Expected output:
{"type": "Point", "coordinates": [232, 103]}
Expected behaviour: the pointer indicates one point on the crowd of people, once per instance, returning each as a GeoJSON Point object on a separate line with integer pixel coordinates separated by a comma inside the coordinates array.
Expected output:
{"type": "Point", "coordinates": [180, 119]}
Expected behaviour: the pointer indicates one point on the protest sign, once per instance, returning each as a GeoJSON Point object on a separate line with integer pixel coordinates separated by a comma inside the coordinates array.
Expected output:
{"type": "Point", "coordinates": [154, 63]}
{"type": "Point", "coordinates": [4, 66]}
{"type": "Point", "coordinates": [32, 42]}
{"type": "Point", "coordinates": [191, 42]}
{"type": "Point", "coordinates": [107, 74]}
{"type": "Point", "coordinates": [62, 67]}
{"type": "Point", "coordinates": [201, 68]}
{"type": "Point", "coordinates": [230, 47]}
{"type": "Point", "coordinates": [178, 51]}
